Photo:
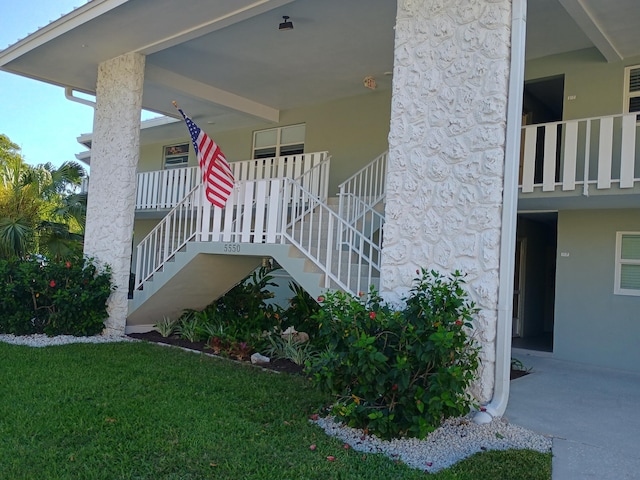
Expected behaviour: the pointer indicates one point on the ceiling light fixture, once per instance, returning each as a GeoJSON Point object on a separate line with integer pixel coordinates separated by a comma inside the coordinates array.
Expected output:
{"type": "Point", "coordinates": [286, 25]}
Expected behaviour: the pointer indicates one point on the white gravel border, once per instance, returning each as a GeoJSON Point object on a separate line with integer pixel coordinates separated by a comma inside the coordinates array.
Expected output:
{"type": "Point", "coordinates": [455, 440]}
{"type": "Point", "coordinates": [41, 340]}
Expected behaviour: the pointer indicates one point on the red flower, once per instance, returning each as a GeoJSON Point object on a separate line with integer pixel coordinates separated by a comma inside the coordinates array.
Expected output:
{"type": "Point", "coordinates": [52, 283]}
{"type": "Point", "coordinates": [372, 315]}
{"type": "Point", "coordinates": [331, 458]}
{"type": "Point", "coordinates": [361, 294]}
{"type": "Point", "coordinates": [394, 387]}
{"type": "Point", "coordinates": [67, 264]}
{"type": "Point", "coordinates": [458, 322]}
{"type": "Point", "coordinates": [320, 299]}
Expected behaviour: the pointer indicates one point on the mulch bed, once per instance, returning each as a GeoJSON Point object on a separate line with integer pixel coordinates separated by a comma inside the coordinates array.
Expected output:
{"type": "Point", "coordinates": [276, 364]}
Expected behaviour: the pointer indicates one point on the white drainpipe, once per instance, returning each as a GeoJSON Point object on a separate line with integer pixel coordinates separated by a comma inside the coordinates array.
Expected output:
{"type": "Point", "coordinates": [498, 404]}
{"type": "Point", "coordinates": [68, 93]}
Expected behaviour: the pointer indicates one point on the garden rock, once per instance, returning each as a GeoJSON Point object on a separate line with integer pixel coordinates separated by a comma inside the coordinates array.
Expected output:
{"type": "Point", "coordinates": [291, 334]}
{"type": "Point", "coordinates": [258, 359]}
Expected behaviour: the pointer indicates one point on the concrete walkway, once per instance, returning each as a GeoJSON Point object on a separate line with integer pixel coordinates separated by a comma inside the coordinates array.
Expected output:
{"type": "Point", "coordinates": [592, 413]}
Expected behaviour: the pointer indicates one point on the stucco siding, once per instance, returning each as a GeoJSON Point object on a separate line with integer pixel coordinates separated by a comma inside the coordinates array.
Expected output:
{"type": "Point", "coordinates": [592, 325]}
{"type": "Point", "coordinates": [598, 86]}
{"type": "Point", "coordinates": [446, 153]}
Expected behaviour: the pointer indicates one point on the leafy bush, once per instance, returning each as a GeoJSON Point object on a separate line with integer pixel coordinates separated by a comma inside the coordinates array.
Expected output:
{"type": "Point", "coordinates": [302, 308]}
{"type": "Point", "coordinates": [53, 297]}
{"type": "Point", "coordinates": [398, 373]}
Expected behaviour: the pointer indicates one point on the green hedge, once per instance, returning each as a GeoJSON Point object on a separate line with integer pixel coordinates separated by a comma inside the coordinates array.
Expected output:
{"type": "Point", "coordinates": [53, 297]}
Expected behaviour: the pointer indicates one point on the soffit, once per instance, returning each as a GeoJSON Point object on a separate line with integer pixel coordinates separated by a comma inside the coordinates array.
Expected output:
{"type": "Point", "coordinates": [227, 63]}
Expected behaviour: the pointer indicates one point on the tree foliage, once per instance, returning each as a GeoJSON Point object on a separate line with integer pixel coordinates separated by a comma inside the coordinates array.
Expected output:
{"type": "Point", "coordinates": [40, 208]}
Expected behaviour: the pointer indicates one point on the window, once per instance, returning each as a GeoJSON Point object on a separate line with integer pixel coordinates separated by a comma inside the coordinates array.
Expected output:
{"type": "Point", "coordinates": [627, 280]}
{"type": "Point", "coordinates": [176, 156]}
{"type": "Point", "coordinates": [632, 89]}
{"type": "Point", "coordinates": [277, 142]}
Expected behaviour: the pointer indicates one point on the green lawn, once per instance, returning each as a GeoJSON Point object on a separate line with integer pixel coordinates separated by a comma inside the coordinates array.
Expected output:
{"type": "Point", "coordinates": [141, 411]}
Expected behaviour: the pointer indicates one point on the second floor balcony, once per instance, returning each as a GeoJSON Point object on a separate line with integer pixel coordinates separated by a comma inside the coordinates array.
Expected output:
{"type": "Point", "coordinates": [561, 163]}
{"type": "Point", "coordinates": [582, 163]}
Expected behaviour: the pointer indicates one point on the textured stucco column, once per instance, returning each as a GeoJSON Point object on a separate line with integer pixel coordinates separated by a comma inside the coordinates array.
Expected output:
{"type": "Point", "coordinates": [446, 153]}
{"type": "Point", "coordinates": [114, 158]}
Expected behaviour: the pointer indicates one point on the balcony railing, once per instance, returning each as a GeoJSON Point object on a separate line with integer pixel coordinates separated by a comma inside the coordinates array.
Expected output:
{"type": "Point", "coordinates": [164, 189]}
{"type": "Point", "coordinates": [574, 154]}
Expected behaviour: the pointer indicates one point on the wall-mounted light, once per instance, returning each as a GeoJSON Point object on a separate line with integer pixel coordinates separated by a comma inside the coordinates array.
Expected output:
{"type": "Point", "coordinates": [286, 25]}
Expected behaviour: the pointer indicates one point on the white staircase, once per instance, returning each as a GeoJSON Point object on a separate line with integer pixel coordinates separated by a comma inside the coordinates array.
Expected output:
{"type": "Point", "coordinates": [198, 252]}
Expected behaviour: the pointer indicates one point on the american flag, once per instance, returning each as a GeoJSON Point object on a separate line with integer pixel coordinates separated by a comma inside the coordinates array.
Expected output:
{"type": "Point", "coordinates": [216, 172]}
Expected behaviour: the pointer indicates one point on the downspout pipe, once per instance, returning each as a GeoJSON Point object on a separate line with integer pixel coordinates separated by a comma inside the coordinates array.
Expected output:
{"type": "Point", "coordinates": [498, 404]}
{"type": "Point", "coordinates": [68, 93]}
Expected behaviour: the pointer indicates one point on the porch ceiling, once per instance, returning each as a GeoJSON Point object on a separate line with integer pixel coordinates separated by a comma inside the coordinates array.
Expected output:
{"type": "Point", "coordinates": [228, 65]}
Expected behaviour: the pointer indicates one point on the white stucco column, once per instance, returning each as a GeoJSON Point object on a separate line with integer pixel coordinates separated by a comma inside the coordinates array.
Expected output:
{"type": "Point", "coordinates": [447, 153]}
{"type": "Point", "coordinates": [114, 159]}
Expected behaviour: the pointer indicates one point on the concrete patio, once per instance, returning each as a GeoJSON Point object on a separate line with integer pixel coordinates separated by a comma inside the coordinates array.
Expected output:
{"type": "Point", "coordinates": [591, 413]}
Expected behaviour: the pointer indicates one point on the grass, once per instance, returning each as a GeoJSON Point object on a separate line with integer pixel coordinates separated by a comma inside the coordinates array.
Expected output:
{"type": "Point", "coordinates": [141, 411]}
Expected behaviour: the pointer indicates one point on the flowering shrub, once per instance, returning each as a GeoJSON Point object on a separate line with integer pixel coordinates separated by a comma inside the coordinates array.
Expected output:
{"type": "Point", "coordinates": [53, 297]}
{"type": "Point", "coordinates": [398, 373]}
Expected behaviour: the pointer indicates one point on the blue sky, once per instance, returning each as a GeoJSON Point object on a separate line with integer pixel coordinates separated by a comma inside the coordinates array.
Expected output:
{"type": "Point", "coordinates": [33, 114]}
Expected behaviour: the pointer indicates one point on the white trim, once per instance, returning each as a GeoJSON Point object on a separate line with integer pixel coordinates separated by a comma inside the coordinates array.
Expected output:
{"type": "Point", "coordinates": [617, 289]}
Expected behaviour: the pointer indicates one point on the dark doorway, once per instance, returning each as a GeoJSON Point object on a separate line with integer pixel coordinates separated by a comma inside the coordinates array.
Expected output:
{"type": "Point", "coordinates": [536, 269]}
{"type": "Point", "coordinates": [543, 102]}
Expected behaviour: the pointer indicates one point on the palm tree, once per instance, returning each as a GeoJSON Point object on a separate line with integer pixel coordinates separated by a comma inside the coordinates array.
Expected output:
{"type": "Point", "coordinates": [40, 208]}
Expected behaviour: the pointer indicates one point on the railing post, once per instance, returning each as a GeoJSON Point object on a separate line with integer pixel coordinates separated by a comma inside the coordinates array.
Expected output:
{"type": "Point", "coordinates": [587, 154]}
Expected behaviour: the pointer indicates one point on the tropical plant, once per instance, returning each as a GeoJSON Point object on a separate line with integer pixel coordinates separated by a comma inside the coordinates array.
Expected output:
{"type": "Point", "coordinates": [285, 347]}
{"type": "Point", "coordinates": [40, 209]}
{"type": "Point", "coordinates": [302, 308]}
{"type": "Point", "coordinates": [166, 327]}
{"type": "Point", "coordinates": [189, 328]}
{"type": "Point", "coordinates": [398, 373]}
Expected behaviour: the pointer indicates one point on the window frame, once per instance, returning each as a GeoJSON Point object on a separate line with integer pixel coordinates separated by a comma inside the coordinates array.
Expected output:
{"type": "Point", "coordinates": [184, 154]}
{"type": "Point", "coordinates": [628, 94]}
{"type": "Point", "coordinates": [617, 289]}
{"type": "Point", "coordinates": [278, 145]}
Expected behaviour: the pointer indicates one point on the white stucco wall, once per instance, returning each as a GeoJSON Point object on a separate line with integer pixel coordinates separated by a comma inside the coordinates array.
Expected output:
{"type": "Point", "coordinates": [446, 159]}
{"type": "Point", "coordinates": [114, 158]}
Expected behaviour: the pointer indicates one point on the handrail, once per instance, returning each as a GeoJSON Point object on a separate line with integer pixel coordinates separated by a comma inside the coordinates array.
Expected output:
{"type": "Point", "coordinates": [315, 230]}
{"type": "Point", "coordinates": [368, 183]}
{"type": "Point", "coordinates": [361, 192]}
{"type": "Point", "coordinates": [173, 232]}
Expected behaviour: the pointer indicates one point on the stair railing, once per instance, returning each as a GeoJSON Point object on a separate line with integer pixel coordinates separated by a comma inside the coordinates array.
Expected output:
{"type": "Point", "coordinates": [316, 230]}
{"type": "Point", "coordinates": [363, 190]}
{"type": "Point", "coordinates": [360, 198]}
{"type": "Point", "coordinates": [251, 215]}
{"type": "Point", "coordinates": [173, 232]}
